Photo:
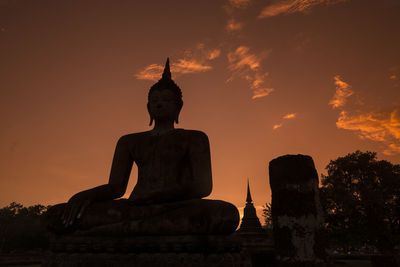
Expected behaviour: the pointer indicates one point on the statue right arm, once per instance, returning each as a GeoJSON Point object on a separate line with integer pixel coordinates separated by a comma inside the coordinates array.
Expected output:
{"type": "Point", "coordinates": [121, 166]}
{"type": "Point", "coordinates": [116, 187]}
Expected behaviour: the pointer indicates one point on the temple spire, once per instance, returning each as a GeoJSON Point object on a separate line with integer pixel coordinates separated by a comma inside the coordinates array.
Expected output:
{"type": "Point", "coordinates": [167, 72]}
{"type": "Point", "coordinates": [250, 221]}
{"type": "Point", "coordinates": [248, 199]}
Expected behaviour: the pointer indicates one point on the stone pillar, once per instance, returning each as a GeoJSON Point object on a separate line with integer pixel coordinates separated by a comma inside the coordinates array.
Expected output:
{"type": "Point", "coordinates": [296, 211]}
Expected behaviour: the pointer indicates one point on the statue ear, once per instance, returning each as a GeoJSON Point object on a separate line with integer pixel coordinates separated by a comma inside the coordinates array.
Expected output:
{"type": "Point", "coordinates": [177, 112]}
{"type": "Point", "coordinates": [176, 118]}
{"type": "Point", "coordinates": [151, 117]}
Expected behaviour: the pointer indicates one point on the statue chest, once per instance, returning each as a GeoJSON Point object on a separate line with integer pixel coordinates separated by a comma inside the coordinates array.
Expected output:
{"type": "Point", "coordinates": [161, 152]}
{"type": "Point", "coordinates": [162, 161]}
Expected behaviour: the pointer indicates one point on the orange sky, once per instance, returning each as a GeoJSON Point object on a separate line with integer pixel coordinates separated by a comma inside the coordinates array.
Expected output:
{"type": "Point", "coordinates": [261, 78]}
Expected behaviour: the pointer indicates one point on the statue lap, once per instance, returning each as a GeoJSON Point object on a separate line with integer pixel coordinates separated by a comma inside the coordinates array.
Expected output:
{"type": "Point", "coordinates": [121, 217]}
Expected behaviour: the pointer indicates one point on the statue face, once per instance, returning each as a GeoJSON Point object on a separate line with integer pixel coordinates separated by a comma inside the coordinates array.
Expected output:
{"type": "Point", "coordinates": [163, 105]}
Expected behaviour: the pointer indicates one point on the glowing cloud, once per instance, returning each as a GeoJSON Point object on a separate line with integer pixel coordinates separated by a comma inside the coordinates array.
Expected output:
{"type": "Point", "coordinates": [214, 54]}
{"type": "Point", "coordinates": [151, 72]}
{"type": "Point", "coordinates": [241, 58]}
{"type": "Point", "coordinates": [192, 61]}
{"type": "Point", "coordinates": [290, 116]}
{"type": "Point", "coordinates": [382, 127]}
{"type": "Point", "coordinates": [182, 66]}
{"type": "Point", "coordinates": [286, 117]}
{"type": "Point", "coordinates": [292, 6]}
{"type": "Point", "coordinates": [393, 149]}
{"type": "Point", "coordinates": [239, 3]}
{"type": "Point", "coordinates": [185, 66]}
{"type": "Point", "coordinates": [246, 65]}
{"type": "Point", "coordinates": [377, 126]}
{"type": "Point", "coordinates": [393, 77]}
{"type": "Point", "coordinates": [368, 125]}
{"type": "Point", "coordinates": [277, 9]}
{"type": "Point", "coordinates": [257, 79]}
{"type": "Point", "coordinates": [233, 26]}
{"type": "Point", "coordinates": [343, 91]}
{"type": "Point", "coordinates": [261, 92]}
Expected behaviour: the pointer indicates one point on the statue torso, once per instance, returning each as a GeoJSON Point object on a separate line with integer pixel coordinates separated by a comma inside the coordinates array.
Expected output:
{"type": "Point", "coordinates": [163, 160]}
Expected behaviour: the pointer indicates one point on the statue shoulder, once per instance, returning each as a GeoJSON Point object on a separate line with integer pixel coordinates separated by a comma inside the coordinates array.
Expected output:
{"type": "Point", "coordinates": [132, 138]}
{"type": "Point", "coordinates": [196, 135]}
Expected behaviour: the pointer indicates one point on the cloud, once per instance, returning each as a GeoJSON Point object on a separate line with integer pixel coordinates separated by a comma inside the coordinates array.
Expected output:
{"type": "Point", "coordinates": [202, 53]}
{"type": "Point", "coordinates": [383, 126]}
{"type": "Point", "coordinates": [151, 72]}
{"type": "Point", "coordinates": [233, 26]}
{"type": "Point", "coordinates": [239, 3]}
{"type": "Point", "coordinates": [247, 65]}
{"type": "Point", "coordinates": [192, 61]}
{"type": "Point", "coordinates": [368, 125]}
{"type": "Point", "coordinates": [290, 116]}
{"type": "Point", "coordinates": [241, 58]}
{"type": "Point", "coordinates": [261, 92]}
{"type": "Point", "coordinates": [185, 66]}
{"type": "Point", "coordinates": [394, 75]}
{"type": "Point", "coordinates": [182, 66]}
{"type": "Point", "coordinates": [213, 54]}
{"type": "Point", "coordinates": [286, 117]}
{"type": "Point", "coordinates": [257, 79]}
{"type": "Point", "coordinates": [292, 6]}
{"type": "Point", "coordinates": [393, 149]}
{"type": "Point", "coordinates": [377, 126]}
{"type": "Point", "coordinates": [343, 91]}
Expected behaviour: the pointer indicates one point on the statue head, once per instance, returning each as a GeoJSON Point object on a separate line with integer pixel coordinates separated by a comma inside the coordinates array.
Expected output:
{"type": "Point", "coordinates": [165, 92]}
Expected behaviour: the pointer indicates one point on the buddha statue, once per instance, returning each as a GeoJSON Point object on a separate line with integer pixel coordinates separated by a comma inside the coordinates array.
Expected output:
{"type": "Point", "coordinates": [174, 175]}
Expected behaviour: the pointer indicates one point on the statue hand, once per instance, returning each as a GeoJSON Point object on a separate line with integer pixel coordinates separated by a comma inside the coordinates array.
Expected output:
{"type": "Point", "coordinates": [75, 207]}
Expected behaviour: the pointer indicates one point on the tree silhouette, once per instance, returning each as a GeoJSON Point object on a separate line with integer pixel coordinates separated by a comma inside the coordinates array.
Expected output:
{"type": "Point", "coordinates": [21, 228]}
{"type": "Point", "coordinates": [361, 198]}
{"type": "Point", "coordinates": [267, 214]}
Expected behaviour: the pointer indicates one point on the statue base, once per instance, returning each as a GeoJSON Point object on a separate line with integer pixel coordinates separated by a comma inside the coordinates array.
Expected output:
{"type": "Point", "coordinates": [147, 259]}
{"type": "Point", "coordinates": [138, 251]}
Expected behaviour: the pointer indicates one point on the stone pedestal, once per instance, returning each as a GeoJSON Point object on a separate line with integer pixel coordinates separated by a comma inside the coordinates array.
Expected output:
{"type": "Point", "coordinates": [296, 211]}
{"type": "Point", "coordinates": [138, 251]}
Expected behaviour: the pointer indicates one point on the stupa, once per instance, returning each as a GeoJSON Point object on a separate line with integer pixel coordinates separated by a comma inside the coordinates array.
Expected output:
{"type": "Point", "coordinates": [256, 241]}
{"type": "Point", "coordinates": [250, 221]}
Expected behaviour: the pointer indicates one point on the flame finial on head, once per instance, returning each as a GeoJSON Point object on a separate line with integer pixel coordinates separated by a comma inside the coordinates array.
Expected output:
{"type": "Point", "coordinates": [167, 72]}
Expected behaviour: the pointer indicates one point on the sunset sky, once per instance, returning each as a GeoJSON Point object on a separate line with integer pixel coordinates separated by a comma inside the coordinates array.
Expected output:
{"type": "Point", "coordinates": [260, 78]}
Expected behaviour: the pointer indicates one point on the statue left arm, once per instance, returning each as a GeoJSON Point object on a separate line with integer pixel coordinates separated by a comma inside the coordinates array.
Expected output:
{"type": "Point", "coordinates": [200, 161]}
{"type": "Point", "coordinates": [119, 176]}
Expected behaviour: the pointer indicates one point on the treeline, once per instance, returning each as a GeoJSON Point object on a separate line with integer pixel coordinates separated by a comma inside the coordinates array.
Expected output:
{"type": "Point", "coordinates": [21, 228]}
{"type": "Point", "coordinates": [360, 199]}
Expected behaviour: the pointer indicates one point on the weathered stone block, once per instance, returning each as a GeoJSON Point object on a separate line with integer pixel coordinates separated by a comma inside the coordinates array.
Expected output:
{"type": "Point", "coordinates": [296, 211]}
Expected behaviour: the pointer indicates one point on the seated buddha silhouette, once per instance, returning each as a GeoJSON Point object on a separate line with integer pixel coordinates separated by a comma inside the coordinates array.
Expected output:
{"type": "Point", "coordinates": [174, 174]}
